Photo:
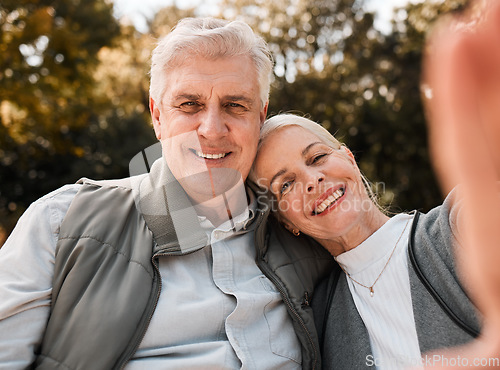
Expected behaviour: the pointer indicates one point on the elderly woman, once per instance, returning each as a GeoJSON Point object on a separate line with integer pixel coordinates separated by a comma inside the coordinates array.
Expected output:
{"type": "Point", "coordinates": [396, 294]}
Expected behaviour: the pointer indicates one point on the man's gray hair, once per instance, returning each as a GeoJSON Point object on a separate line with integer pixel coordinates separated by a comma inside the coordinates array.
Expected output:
{"type": "Point", "coordinates": [210, 38]}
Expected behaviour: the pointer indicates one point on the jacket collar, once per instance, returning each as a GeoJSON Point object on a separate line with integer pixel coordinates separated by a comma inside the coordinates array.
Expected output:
{"type": "Point", "coordinates": [170, 216]}
{"type": "Point", "coordinates": [169, 213]}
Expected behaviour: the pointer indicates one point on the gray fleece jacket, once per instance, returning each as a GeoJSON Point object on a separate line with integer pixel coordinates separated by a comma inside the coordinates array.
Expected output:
{"type": "Point", "coordinates": [444, 315]}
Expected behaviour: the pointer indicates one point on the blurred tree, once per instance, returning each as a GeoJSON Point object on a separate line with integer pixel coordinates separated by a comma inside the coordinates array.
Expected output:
{"type": "Point", "coordinates": [168, 17]}
{"type": "Point", "coordinates": [74, 89]}
{"type": "Point", "coordinates": [122, 127]}
{"type": "Point", "coordinates": [333, 65]}
{"type": "Point", "coordinates": [56, 122]}
{"type": "Point", "coordinates": [391, 132]}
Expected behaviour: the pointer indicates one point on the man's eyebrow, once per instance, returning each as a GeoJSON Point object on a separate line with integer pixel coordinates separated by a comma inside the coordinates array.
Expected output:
{"type": "Point", "coordinates": [278, 174]}
{"type": "Point", "coordinates": [241, 98]}
{"type": "Point", "coordinates": [307, 148]}
{"type": "Point", "coordinates": [187, 96]}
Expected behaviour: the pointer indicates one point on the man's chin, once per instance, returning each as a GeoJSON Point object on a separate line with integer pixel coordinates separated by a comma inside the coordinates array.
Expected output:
{"type": "Point", "coordinates": [210, 183]}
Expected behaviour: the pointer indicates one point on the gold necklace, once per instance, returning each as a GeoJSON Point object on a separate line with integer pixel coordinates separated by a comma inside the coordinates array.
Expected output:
{"type": "Point", "coordinates": [372, 292]}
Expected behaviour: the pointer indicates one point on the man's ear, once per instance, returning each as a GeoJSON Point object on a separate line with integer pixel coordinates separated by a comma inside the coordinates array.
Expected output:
{"type": "Point", "coordinates": [263, 114]}
{"type": "Point", "coordinates": [155, 115]}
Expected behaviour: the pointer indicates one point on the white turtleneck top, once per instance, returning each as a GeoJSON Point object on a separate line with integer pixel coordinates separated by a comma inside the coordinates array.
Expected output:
{"type": "Point", "coordinates": [388, 314]}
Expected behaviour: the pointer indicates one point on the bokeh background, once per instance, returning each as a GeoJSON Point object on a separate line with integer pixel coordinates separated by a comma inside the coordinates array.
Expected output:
{"type": "Point", "coordinates": [74, 87]}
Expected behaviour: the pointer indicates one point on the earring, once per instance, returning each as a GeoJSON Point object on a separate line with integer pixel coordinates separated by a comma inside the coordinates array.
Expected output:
{"type": "Point", "coordinates": [296, 232]}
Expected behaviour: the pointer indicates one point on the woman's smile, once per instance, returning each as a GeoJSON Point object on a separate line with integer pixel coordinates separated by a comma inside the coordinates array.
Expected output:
{"type": "Point", "coordinates": [328, 200]}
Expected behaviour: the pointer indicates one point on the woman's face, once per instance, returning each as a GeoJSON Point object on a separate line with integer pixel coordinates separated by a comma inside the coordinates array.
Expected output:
{"type": "Point", "coordinates": [319, 189]}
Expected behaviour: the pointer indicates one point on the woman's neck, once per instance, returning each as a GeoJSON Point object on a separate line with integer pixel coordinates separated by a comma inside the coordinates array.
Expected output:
{"type": "Point", "coordinates": [356, 235]}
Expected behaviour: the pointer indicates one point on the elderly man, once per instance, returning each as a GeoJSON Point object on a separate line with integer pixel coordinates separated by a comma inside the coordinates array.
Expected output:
{"type": "Point", "coordinates": [176, 268]}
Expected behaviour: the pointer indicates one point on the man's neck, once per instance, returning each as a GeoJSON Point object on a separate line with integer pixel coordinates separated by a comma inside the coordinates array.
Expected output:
{"type": "Point", "coordinates": [223, 207]}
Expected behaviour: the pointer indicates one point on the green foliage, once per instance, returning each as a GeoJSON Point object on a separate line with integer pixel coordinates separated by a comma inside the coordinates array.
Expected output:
{"type": "Point", "coordinates": [57, 123]}
{"type": "Point", "coordinates": [167, 18]}
{"type": "Point", "coordinates": [74, 89]}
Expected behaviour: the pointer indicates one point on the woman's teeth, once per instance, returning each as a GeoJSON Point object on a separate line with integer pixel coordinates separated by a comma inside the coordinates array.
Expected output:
{"type": "Point", "coordinates": [210, 156]}
{"type": "Point", "coordinates": [328, 201]}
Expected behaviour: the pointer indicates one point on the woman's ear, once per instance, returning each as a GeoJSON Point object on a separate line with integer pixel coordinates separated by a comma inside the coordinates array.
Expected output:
{"type": "Point", "coordinates": [349, 153]}
{"type": "Point", "coordinates": [288, 225]}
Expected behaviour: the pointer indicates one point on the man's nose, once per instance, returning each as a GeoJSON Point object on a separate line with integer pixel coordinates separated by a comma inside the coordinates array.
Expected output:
{"type": "Point", "coordinates": [212, 124]}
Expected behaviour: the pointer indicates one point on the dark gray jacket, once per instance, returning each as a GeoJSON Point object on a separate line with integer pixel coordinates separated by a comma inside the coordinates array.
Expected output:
{"type": "Point", "coordinates": [444, 315]}
{"type": "Point", "coordinates": [106, 281]}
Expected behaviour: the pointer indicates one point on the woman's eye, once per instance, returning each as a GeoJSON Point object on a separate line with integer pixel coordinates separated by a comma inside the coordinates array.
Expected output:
{"type": "Point", "coordinates": [318, 157]}
{"type": "Point", "coordinates": [285, 187]}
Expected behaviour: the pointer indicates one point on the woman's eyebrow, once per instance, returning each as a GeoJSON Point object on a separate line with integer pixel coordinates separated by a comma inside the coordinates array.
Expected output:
{"type": "Point", "coordinates": [278, 174]}
{"type": "Point", "coordinates": [283, 170]}
{"type": "Point", "coordinates": [307, 148]}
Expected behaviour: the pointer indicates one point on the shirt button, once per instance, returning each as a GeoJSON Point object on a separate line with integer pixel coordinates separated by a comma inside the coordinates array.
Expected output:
{"type": "Point", "coordinates": [217, 234]}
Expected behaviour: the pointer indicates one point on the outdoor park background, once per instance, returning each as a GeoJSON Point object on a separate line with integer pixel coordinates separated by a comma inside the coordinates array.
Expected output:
{"type": "Point", "coordinates": [74, 89]}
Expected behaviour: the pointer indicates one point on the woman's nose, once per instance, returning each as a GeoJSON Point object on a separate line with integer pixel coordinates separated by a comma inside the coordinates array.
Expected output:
{"type": "Point", "coordinates": [314, 183]}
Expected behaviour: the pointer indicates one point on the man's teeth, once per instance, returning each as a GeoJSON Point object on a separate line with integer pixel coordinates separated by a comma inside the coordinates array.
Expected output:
{"type": "Point", "coordinates": [328, 201]}
{"type": "Point", "coordinates": [210, 156]}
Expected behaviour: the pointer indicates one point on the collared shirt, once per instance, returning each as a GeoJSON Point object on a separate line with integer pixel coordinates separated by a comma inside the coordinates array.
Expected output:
{"type": "Point", "coordinates": [216, 308]}
{"type": "Point", "coordinates": [26, 271]}
{"type": "Point", "coordinates": [388, 314]}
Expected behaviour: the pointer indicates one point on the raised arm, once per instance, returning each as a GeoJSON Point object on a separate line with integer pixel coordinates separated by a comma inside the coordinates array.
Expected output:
{"type": "Point", "coordinates": [461, 89]}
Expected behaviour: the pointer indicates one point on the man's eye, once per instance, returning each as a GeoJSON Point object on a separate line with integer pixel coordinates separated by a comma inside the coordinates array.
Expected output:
{"type": "Point", "coordinates": [190, 106]}
{"type": "Point", "coordinates": [236, 106]}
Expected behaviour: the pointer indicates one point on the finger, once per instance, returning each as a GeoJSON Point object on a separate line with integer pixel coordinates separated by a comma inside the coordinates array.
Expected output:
{"type": "Point", "coordinates": [450, 104]}
{"type": "Point", "coordinates": [487, 57]}
{"type": "Point", "coordinates": [460, 150]}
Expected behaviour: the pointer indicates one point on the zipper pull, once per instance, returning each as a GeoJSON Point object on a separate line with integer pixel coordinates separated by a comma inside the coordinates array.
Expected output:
{"type": "Point", "coordinates": [305, 302]}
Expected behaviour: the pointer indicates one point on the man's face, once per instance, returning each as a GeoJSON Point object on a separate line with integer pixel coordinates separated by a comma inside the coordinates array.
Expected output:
{"type": "Point", "coordinates": [210, 117]}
